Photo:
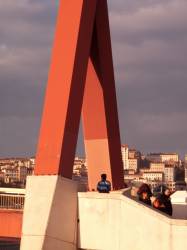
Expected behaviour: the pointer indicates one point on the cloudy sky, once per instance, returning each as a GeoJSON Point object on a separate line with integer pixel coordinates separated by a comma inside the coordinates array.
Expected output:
{"type": "Point", "coordinates": [149, 39]}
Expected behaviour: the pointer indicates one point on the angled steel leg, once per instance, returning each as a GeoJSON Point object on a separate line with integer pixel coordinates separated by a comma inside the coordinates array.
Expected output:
{"type": "Point", "coordinates": [65, 88]}
{"type": "Point", "coordinates": [100, 119]}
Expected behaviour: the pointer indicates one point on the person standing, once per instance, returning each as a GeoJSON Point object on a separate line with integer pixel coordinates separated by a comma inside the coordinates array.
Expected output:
{"type": "Point", "coordinates": [103, 186]}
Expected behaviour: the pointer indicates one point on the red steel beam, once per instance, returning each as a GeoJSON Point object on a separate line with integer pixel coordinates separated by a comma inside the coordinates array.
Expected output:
{"type": "Point", "coordinates": [100, 116]}
{"type": "Point", "coordinates": [65, 88]}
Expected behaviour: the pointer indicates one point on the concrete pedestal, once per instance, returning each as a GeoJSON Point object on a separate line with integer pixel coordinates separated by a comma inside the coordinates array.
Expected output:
{"type": "Point", "coordinates": [50, 214]}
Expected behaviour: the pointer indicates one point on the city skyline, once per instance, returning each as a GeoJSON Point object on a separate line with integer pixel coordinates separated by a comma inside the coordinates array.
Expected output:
{"type": "Point", "coordinates": [149, 48]}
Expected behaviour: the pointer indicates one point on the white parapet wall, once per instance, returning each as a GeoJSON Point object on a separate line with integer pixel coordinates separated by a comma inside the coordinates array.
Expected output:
{"type": "Point", "coordinates": [116, 222]}
{"type": "Point", "coordinates": [50, 214]}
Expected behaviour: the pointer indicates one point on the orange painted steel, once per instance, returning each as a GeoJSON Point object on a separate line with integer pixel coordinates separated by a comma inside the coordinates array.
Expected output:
{"type": "Point", "coordinates": [63, 102]}
{"type": "Point", "coordinates": [100, 119]}
{"type": "Point", "coordinates": [10, 224]}
{"type": "Point", "coordinates": [82, 35]}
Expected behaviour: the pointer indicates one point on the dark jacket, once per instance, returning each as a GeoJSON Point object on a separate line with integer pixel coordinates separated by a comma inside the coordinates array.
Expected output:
{"type": "Point", "coordinates": [146, 201]}
{"type": "Point", "coordinates": [166, 201]}
{"type": "Point", "coordinates": [103, 186]}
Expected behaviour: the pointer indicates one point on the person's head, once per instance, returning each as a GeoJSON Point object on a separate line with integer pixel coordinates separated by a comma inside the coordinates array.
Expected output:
{"type": "Point", "coordinates": [167, 192]}
{"type": "Point", "coordinates": [157, 203]}
{"type": "Point", "coordinates": [144, 190]}
{"type": "Point", "coordinates": [145, 196]}
{"type": "Point", "coordinates": [103, 177]}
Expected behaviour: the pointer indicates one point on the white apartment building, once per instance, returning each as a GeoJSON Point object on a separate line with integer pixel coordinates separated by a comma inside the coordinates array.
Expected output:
{"type": "Point", "coordinates": [169, 174]}
{"type": "Point", "coordinates": [163, 157]}
{"type": "Point", "coordinates": [157, 167]}
{"type": "Point", "coordinates": [125, 156]}
{"type": "Point", "coordinates": [133, 164]}
{"type": "Point", "coordinates": [154, 167]}
{"type": "Point", "coordinates": [153, 176]}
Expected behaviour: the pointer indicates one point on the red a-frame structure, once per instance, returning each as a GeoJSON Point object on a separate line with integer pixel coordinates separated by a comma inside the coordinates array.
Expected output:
{"type": "Point", "coordinates": [81, 78]}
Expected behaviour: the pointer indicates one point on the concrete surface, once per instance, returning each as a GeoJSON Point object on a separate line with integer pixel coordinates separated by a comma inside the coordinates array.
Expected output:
{"type": "Point", "coordinates": [50, 214]}
{"type": "Point", "coordinates": [116, 222]}
{"type": "Point", "coordinates": [106, 221]}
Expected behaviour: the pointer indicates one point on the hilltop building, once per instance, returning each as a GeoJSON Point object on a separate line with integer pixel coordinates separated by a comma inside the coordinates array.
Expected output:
{"type": "Point", "coordinates": [163, 157]}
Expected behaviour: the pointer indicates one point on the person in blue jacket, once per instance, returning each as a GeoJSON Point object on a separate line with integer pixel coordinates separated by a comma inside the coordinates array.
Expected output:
{"type": "Point", "coordinates": [104, 186]}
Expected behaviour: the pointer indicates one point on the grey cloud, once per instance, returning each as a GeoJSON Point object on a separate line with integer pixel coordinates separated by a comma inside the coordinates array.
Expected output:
{"type": "Point", "coordinates": [130, 7]}
{"type": "Point", "coordinates": [26, 33]}
{"type": "Point", "coordinates": [149, 46]}
{"type": "Point", "coordinates": [18, 136]}
{"type": "Point", "coordinates": [22, 101]}
{"type": "Point", "coordinates": [149, 40]}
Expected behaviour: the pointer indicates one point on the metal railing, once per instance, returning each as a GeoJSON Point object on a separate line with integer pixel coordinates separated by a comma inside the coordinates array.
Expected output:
{"type": "Point", "coordinates": [10, 201]}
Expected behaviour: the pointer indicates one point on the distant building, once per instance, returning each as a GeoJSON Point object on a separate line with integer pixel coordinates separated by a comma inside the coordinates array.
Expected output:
{"type": "Point", "coordinates": [157, 167]}
{"type": "Point", "coordinates": [14, 171]}
{"type": "Point", "coordinates": [186, 175]}
{"type": "Point", "coordinates": [129, 177]}
{"type": "Point", "coordinates": [125, 156]}
{"type": "Point", "coordinates": [185, 167]}
{"type": "Point", "coordinates": [153, 176]}
{"type": "Point", "coordinates": [154, 167]}
{"type": "Point", "coordinates": [171, 185]}
{"type": "Point", "coordinates": [144, 163]}
{"type": "Point", "coordinates": [133, 164]}
{"type": "Point", "coordinates": [30, 171]}
{"type": "Point", "coordinates": [132, 153]}
{"type": "Point", "coordinates": [169, 173]}
{"type": "Point", "coordinates": [32, 161]}
{"type": "Point", "coordinates": [129, 172]}
{"type": "Point", "coordinates": [80, 167]}
{"type": "Point", "coordinates": [134, 159]}
{"type": "Point", "coordinates": [185, 158]}
{"type": "Point", "coordinates": [131, 158]}
{"type": "Point", "coordinates": [163, 157]}
{"type": "Point", "coordinates": [16, 174]}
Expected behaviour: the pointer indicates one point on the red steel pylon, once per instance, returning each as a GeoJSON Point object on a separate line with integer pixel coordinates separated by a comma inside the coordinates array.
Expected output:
{"type": "Point", "coordinates": [81, 77]}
